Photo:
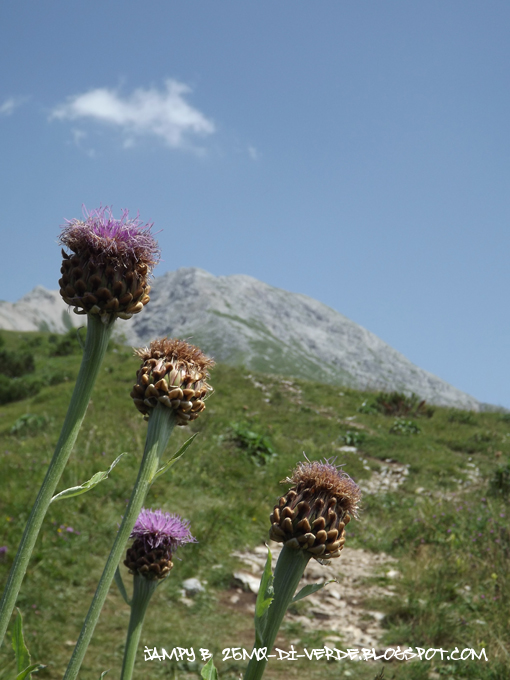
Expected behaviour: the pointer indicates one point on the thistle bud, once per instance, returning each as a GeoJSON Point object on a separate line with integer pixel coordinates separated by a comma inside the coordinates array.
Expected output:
{"type": "Point", "coordinates": [313, 514]}
{"type": "Point", "coordinates": [157, 535]}
{"type": "Point", "coordinates": [108, 268]}
{"type": "Point", "coordinates": [174, 374]}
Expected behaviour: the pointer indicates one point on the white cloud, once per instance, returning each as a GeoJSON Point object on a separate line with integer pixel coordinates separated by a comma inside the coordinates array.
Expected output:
{"type": "Point", "coordinates": [163, 113]}
{"type": "Point", "coordinates": [10, 104]}
{"type": "Point", "coordinates": [80, 140]}
{"type": "Point", "coordinates": [253, 153]}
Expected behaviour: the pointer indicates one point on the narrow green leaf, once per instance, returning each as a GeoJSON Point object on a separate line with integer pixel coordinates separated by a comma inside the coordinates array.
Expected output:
{"type": "Point", "coordinates": [264, 599]}
{"type": "Point", "coordinates": [104, 673]}
{"type": "Point", "coordinates": [33, 668]}
{"type": "Point", "coordinates": [171, 461]}
{"type": "Point", "coordinates": [23, 665]}
{"type": "Point", "coordinates": [311, 588]}
{"type": "Point", "coordinates": [122, 590]}
{"type": "Point", "coordinates": [209, 672]}
{"type": "Point", "coordinates": [18, 644]}
{"type": "Point", "coordinates": [87, 486]}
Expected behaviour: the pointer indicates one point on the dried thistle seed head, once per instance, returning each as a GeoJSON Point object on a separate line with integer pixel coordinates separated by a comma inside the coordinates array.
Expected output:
{"type": "Point", "coordinates": [173, 373]}
{"type": "Point", "coordinates": [312, 515]}
{"type": "Point", "coordinates": [157, 535]}
{"type": "Point", "coordinates": [108, 268]}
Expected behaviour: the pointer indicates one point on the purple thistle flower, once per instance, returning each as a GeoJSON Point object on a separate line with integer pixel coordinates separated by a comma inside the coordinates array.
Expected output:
{"type": "Point", "coordinates": [158, 529]}
{"type": "Point", "coordinates": [110, 262]}
{"type": "Point", "coordinates": [110, 238]}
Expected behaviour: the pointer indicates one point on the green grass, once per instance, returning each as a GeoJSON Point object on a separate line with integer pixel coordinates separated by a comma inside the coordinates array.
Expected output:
{"type": "Point", "coordinates": [451, 538]}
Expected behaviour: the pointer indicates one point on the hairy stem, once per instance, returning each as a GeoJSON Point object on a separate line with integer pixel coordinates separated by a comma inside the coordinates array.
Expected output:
{"type": "Point", "coordinates": [161, 424]}
{"type": "Point", "coordinates": [98, 335]}
{"type": "Point", "coordinates": [287, 574]}
{"type": "Point", "coordinates": [143, 590]}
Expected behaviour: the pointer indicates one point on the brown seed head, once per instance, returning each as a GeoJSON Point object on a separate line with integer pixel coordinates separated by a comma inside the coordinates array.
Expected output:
{"type": "Point", "coordinates": [174, 374]}
{"type": "Point", "coordinates": [312, 515]}
{"type": "Point", "coordinates": [325, 480]}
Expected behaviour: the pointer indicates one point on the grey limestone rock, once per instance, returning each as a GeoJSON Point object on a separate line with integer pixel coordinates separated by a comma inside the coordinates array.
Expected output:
{"type": "Point", "coordinates": [39, 310]}
{"type": "Point", "coordinates": [242, 321]}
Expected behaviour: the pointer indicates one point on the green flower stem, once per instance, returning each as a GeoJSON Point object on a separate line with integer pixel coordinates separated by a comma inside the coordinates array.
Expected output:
{"type": "Point", "coordinates": [289, 570]}
{"type": "Point", "coordinates": [161, 423]}
{"type": "Point", "coordinates": [98, 335]}
{"type": "Point", "coordinates": [143, 590]}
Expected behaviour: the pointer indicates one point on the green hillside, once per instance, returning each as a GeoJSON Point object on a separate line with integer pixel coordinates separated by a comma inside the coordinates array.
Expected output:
{"type": "Point", "coordinates": [447, 523]}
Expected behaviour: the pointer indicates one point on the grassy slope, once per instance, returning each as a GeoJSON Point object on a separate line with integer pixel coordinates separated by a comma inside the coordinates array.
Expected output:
{"type": "Point", "coordinates": [452, 539]}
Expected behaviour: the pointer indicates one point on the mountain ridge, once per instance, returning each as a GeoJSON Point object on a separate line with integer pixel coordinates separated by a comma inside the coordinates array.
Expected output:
{"type": "Point", "coordinates": [243, 321]}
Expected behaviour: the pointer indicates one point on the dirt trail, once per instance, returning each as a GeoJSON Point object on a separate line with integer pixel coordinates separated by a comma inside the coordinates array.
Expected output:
{"type": "Point", "coordinates": [339, 607]}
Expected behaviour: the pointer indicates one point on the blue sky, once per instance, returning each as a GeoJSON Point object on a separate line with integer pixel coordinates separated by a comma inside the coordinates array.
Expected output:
{"type": "Point", "coordinates": [357, 152]}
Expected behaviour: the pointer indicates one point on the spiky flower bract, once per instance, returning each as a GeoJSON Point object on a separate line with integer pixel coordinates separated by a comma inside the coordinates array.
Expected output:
{"type": "Point", "coordinates": [312, 515]}
{"type": "Point", "coordinates": [174, 374]}
{"type": "Point", "coordinates": [157, 536]}
{"type": "Point", "coordinates": [110, 263]}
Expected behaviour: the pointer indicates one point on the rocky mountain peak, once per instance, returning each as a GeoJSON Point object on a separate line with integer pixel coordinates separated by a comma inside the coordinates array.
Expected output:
{"type": "Point", "coordinates": [243, 321]}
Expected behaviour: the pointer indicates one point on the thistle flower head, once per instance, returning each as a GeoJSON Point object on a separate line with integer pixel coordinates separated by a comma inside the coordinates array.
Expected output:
{"type": "Point", "coordinates": [157, 535]}
{"type": "Point", "coordinates": [111, 240]}
{"type": "Point", "coordinates": [174, 374]}
{"type": "Point", "coordinates": [327, 480]}
{"type": "Point", "coordinates": [157, 529]}
{"type": "Point", "coordinates": [312, 515]}
{"type": "Point", "coordinates": [109, 265]}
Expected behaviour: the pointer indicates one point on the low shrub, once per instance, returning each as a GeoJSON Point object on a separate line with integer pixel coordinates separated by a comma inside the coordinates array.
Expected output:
{"type": "Point", "coordinates": [462, 417]}
{"type": "Point", "coordinates": [256, 445]}
{"type": "Point", "coordinates": [15, 389]}
{"type": "Point", "coordinates": [367, 408]}
{"type": "Point", "coordinates": [67, 344]}
{"type": "Point", "coordinates": [404, 427]}
{"type": "Point", "coordinates": [499, 484]}
{"type": "Point", "coordinates": [397, 404]}
{"type": "Point", "coordinates": [16, 364]}
{"type": "Point", "coordinates": [400, 404]}
{"type": "Point", "coordinates": [29, 424]}
{"type": "Point", "coordinates": [355, 438]}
